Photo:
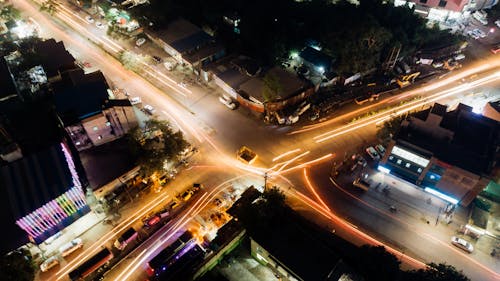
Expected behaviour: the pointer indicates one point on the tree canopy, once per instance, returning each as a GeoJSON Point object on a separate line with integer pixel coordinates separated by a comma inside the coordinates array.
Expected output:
{"type": "Point", "coordinates": [154, 144]}
{"type": "Point", "coordinates": [18, 266]}
{"type": "Point", "coordinates": [436, 272]}
{"type": "Point", "coordinates": [359, 36]}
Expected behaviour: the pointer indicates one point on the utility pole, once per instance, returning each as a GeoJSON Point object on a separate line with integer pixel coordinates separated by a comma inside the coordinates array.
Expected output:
{"type": "Point", "coordinates": [265, 181]}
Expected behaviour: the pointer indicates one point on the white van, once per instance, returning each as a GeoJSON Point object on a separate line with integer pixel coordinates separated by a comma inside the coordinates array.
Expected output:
{"type": "Point", "coordinates": [481, 16]}
{"type": "Point", "coordinates": [70, 247]}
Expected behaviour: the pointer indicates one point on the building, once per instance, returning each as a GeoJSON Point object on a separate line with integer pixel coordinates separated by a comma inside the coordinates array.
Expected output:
{"type": "Point", "coordinates": [492, 110]}
{"type": "Point", "coordinates": [188, 44]}
{"type": "Point", "coordinates": [446, 10]}
{"type": "Point", "coordinates": [449, 154]}
{"type": "Point", "coordinates": [243, 79]}
{"type": "Point", "coordinates": [315, 60]}
{"type": "Point", "coordinates": [40, 173]}
{"type": "Point", "coordinates": [89, 117]}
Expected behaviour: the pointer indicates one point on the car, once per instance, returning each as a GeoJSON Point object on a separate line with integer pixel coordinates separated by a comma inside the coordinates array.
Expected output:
{"type": "Point", "coordinates": [459, 57]}
{"type": "Point", "coordinates": [473, 34]}
{"type": "Point", "coordinates": [148, 222]}
{"type": "Point", "coordinates": [182, 84]}
{"type": "Point", "coordinates": [49, 263]}
{"type": "Point", "coordinates": [100, 25]}
{"type": "Point", "coordinates": [149, 109]}
{"type": "Point", "coordinates": [173, 205]}
{"type": "Point", "coordinates": [70, 247]}
{"type": "Point", "coordinates": [186, 195]}
{"type": "Point", "coordinates": [140, 42]}
{"type": "Point", "coordinates": [227, 101]}
{"type": "Point", "coordinates": [481, 16]}
{"type": "Point", "coordinates": [157, 59]}
{"type": "Point", "coordinates": [135, 100]}
{"type": "Point", "coordinates": [497, 23]}
{"type": "Point", "coordinates": [89, 19]}
{"type": "Point", "coordinates": [372, 153]}
{"type": "Point", "coordinates": [437, 64]}
{"type": "Point", "coordinates": [481, 33]}
{"type": "Point", "coordinates": [381, 149]}
{"type": "Point", "coordinates": [462, 244]}
{"type": "Point", "coordinates": [361, 161]}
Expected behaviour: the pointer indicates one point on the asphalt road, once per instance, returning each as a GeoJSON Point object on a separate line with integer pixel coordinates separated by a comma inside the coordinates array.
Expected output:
{"type": "Point", "coordinates": [220, 132]}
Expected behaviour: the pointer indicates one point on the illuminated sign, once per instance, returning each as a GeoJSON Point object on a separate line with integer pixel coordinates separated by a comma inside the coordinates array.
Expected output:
{"type": "Point", "coordinates": [412, 157]}
{"type": "Point", "coordinates": [441, 195]}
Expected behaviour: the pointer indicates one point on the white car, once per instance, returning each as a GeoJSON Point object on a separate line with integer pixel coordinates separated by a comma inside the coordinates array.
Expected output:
{"type": "Point", "coordinates": [462, 244]}
{"type": "Point", "coordinates": [140, 42]}
{"type": "Point", "coordinates": [473, 34]}
{"type": "Point", "coordinates": [135, 100]}
{"type": "Point", "coordinates": [437, 64]}
{"type": "Point", "coordinates": [227, 101]}
{"type": "Point", "coordinates": [70, 247]}
{"type": "Point", "coordinates": [100, 25]}
{"type": "Point", "coordinates": [459, 57]}
{"type": "Point", "coordinates": [372, 153]}
{"type": "Point", "coordinates": [381, 149]}
{"type": "Point", "coordinates": [89, 19]}
{"type": "Point", "coordinates": [49, 263]}
{"type": "Point", "coordinates": [497, 23]}
{"type": "Point", "coordinates": [149, 109]}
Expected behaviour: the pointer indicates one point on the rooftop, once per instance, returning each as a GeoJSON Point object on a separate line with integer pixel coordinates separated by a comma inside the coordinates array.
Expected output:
{"type": "Point", "coordinates": [79, 95]}
{"type": "Point", "coordinates": [184, 36]}
{"type": "Point", "coordinates": [473, 143]}
{"type": "Point", "coordinates": [317, 58]}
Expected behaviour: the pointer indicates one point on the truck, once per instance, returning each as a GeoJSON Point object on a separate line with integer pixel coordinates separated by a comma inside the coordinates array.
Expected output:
{"type": "Point", "coordinates": [128, 236]}
{"type": "Point", "coordinates": [407, 80]}
{"type": "Point", "coordinates": [246, 155]}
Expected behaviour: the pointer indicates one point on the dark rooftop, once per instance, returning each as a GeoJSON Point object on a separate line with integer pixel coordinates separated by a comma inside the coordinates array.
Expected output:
{"type": "Point", "coordinates": [472, 146]}
{"type": "Point", "coordinates": [192, 41]}
{"type": "Point", "coordinates": [316, 57]}
{"type": "Point", "coordinates": [8, 86]}
{"type": "Point", "coordinates": [114, 102]}
{"type": "Point", "coordinates": [54, 57]}
{"type": "Point", "coordinates": [79, 95]}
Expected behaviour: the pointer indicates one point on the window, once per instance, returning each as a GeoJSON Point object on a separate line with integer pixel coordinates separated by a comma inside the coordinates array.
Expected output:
{"type": "Point", "coordinates": [399, 161]}
{"type": "Point", "coordinates": [419, 170]}
{"type": "Point", "coordinates": [99, 137]}
{"type": "Point", "coordinates": [423, 1]}
{"type": "Point", "coordinates": [108, 124]}
{"type": "Point", "coordinates": [407, 165]}
{"type": "Point", "coordinates": [442, 3]}
{"type": "Point", "coordinates": [95, 128]}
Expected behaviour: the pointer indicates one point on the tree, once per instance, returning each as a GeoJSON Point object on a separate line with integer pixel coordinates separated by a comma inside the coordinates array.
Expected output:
{"type": "Point", "coordinates": [50, 6]}
{"type": "Point", "coordinates": [436, 272]}
{"type": "Point", "coordinates": [272, 87]}
{"type": "Point", "coordinates": [154, 144]}
{"type": "Point", "coordinates": [18, 266]}
{"type": "Point", "coordinates": [389, 129]}
{"type": "Point", "coordinates": [10, 13]}
{"type": "Point", "coordinates": [375, 263]}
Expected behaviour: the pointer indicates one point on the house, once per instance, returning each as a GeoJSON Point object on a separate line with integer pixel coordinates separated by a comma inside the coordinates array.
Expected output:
{"type": "Point", "coordinates": [448, 153]}
{"type": "Point", "coordinates": [89, 117]}
{"type": "Point", "coordinates": [316, 61]}
{"type": "Point", "coordinates": [188, 44]}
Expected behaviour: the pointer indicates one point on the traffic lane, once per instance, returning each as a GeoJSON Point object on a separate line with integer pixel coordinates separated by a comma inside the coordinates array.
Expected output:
{"type": "Point", "coordinates": [406, 233]}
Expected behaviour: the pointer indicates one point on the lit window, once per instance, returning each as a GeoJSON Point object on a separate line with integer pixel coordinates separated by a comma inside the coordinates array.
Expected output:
{"type": "Point", "coordinates": [108, 124]}
{"type": "Point", "coordinates": [78, 143]}
{"type": "Point", "coordinates": [419, 170]}
{"type": "Point", "coordinates": [407, 165]}
{"type": "Point", "coordinates": [399, 161]}
{"type": "Point", "coordinates": [442, 3]}
{"type": "Point", "coordinates": [391, 157]}
{"type": "Point", "coordinates": [95, 128]}
{"type": "Point", "coordinates": [99, 137]}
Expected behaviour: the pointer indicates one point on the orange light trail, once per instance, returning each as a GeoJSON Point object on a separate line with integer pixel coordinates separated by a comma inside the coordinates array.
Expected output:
{"type": "Point", "coordinates": [285, 154]}
{"type": "Point", "coordinates": [317, 160]}
{"type": "Point", "coordinates": [309, 185]}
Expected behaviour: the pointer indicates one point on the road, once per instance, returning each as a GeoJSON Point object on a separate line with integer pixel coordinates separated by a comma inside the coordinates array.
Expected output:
{"type": "Point", "coordinates": [284, 152]}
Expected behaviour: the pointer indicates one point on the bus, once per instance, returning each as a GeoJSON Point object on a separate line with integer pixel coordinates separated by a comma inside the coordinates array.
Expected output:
{"type": "Point", "coordinates": [157, 264]}
{"type": "Point", "coordinates": [91, 265]}
{"type": "Point", "coordinates": [127, 237]}
{"type": "Point", "coordinates": [185, 263]}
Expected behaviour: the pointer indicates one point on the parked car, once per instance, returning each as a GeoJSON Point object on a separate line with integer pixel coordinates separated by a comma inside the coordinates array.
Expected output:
{"type": "Point", "coordinates": [140, 42]}
{"type": "Point", "coordinates": [381, 149]}
{"type": "Point", "coordinates": [100, 25]}
{"type": "Point", "coordinates": [473, 34]}
{"type": "Point", "coordinates": [227, 101]}
{"type": "Point", "coordinates": [149, 109]}
{"type": "Point", "coordinates": [437, 64]}
{"type": "Point", "coordinates": [89, 19]}
{"type": "Point", "coordinates": [49, 263]}
{"type": "Point", "coordinates": [459, 57]}
{"type": "Point", "coordinates": [462, 244]}
{"type": "Point", "coordinates": [497, 23]}
{"type": "Point", "coordinates": [495, 49]}
{"type": "Point", "coordinates": [135, 100]}
{"type": "Point", "coordinates": [372, 153]}
{"type": "Point", "coordinates": [157, 59]}
{"type": "Point", "coordinates": [173, 205]}
{"type": "Point", "coordinates": [148, 222]}
{"type": "Point", "coordinates": [70, 247]}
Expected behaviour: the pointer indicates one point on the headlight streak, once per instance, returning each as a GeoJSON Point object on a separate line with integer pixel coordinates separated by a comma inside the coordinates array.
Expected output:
{"type": "Point", "coordinates": [285, 154]}
{"type": "Point", "coordinates": [310, 186]}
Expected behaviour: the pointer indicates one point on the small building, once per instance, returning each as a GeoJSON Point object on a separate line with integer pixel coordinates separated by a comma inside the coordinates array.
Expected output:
{"type": "Point", "coordinates": [492, 110]}
{"type": "Point", "coordinates": [188, 44]}
{"type": "Point", "coordinates": [315, 60]}
{"type": "Point", "coordinates": [449, 154]}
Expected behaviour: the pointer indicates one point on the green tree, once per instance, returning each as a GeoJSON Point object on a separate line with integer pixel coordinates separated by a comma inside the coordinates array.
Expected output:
{"type": "Point", "coordinates": [272, 87]}
{"type": "Point", "coordinates": [18, 266]}
{"type": "Point", "coordinates": [50, 6]}
{"type": "Point", "coordinates": [436, 272]}
{"type": "Point", "coordinates": [375, 263]}
{"type": "Point", "coordinates": [154, 144]}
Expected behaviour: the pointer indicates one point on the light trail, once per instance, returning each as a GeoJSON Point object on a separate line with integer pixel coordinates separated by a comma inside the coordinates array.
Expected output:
{"type": "Point", "coordinates": [377, 118]}
{"type": "Point", "coordinates": [493, 62]}
{"type": "Point", "coordinates": [317, 160]}
{"type": "Point", "coordinates": [411, 227]}
{"type": "Point", "coordinates": [285, 154]}
{"type": "Point", "coordinates": [106, 237]}
{"type": "Point", "coordinates": [310, 186]}
{"type": "Point", "coordinates": [291, 160]}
